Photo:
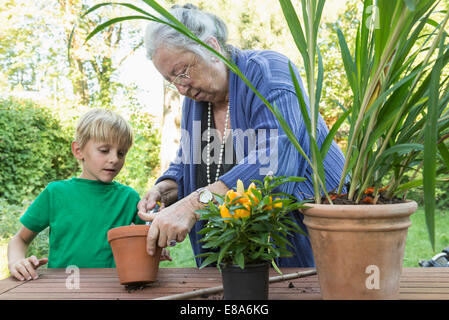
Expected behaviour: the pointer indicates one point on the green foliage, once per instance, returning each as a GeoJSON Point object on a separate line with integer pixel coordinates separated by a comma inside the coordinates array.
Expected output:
{"type": "Point", "coordinates": [399, 110]}
{"type": "Point", "coordinates": [417, 247]}
{"type": "Point", "coordinates": [249, 227]}
{"type": "Point", "coordinates": [9, 217]}
{"type": "Point", "coordinates": [10, 224]}
{"type": "Point", "coordinates": [142, 161]}
{"type": "Point", "coordinates": [34, 150]}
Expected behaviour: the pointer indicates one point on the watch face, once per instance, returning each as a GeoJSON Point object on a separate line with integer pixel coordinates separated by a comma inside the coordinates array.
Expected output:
{"type": "Point", "coordinates": [205, 196]}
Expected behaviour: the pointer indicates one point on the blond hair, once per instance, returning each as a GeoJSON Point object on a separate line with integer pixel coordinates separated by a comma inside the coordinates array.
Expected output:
{"type": "Point", "coordinates": [103, 125]}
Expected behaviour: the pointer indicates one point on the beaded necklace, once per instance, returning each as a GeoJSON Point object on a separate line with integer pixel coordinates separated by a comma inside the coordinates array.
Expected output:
{"type": "Point", "coordinates": [220, 159]}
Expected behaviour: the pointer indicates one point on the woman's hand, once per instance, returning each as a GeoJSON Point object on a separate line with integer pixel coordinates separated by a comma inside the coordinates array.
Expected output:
{"type": "Point", "coordinates": [165, 192]}
{"type": "Point", "coordinates": [174, 222]}
{"type": "Point", "coordinates": [171, 223]}
{"type": "Point", "coordinates": [25, 269]}
{"type": "Point", "coordinates": [165, 255]}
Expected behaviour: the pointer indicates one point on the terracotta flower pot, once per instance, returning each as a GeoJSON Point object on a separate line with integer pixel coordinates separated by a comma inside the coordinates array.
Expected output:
{"type": "Point", "coordinates": [359, 249]}
{"type": "Point", "coordinates": [250, 283]}
{"type": "Point", "coordinates": [134, 264]}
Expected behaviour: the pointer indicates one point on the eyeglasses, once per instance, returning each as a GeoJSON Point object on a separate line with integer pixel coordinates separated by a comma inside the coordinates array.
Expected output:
{"type": "Point", "coordinates": [182, 78]}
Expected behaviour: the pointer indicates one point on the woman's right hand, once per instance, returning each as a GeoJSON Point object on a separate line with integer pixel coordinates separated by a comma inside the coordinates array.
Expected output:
{"type": "Point", "coordinates": [25, 269]}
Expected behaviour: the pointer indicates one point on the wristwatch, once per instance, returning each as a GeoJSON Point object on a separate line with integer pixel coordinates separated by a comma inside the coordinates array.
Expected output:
{"type": "Point", "coordinates": [204, 195]}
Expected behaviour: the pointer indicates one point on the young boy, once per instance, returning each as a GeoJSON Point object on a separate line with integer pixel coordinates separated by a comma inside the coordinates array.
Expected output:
{"type": "Point", "coordinates": [80, 211]}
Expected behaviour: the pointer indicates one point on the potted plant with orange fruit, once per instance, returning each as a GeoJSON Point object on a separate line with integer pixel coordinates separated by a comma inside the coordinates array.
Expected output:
{"type": "Point", "coordinates": [246, 231]}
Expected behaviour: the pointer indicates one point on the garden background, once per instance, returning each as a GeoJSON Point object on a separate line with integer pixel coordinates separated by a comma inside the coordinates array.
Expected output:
{"type": "Point", "coordinates": [43, 91]}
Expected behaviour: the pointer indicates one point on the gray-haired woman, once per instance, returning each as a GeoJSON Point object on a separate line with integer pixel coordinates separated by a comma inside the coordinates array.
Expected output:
{"type": "Point", "coordinates": [219, 114]}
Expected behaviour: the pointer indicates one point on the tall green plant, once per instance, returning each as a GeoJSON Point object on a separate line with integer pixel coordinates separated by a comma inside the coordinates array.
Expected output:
{"type": "Point", "coordinates": [399, 99]}
{"type": "Point", "coordinates": [399, 107]}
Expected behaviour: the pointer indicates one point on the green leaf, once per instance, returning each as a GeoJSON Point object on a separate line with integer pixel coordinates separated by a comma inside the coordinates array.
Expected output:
{"type": "Point", "coordinates": [403, 149]}
{"type": "Point", "coordinates": [332, 132]}
{"type": "Point", "coordinates": [319, 85]}
{"type": "Point", "coordinates": [301, 101]}
{"type": "Point", "coordinates": [430, 147]}
{"type": "Point", "coordinates": [295, 30]}
{"type": "Point", "coordinates": [212, 258]}
{"type": "Point", "coordinates": [273, 263]}
{"type": "Point", "coordinates": [223, 252]}
{"type": "Point", "coordinates": [410, 185]}
{"type": "Point", "coordinates": [133, 7]}
{"type": "Point", "coordinates": [348, 63]}
{"type": "Point", "coordinates": [240, 260]}
{"type": "Point", "coordinates": [108, 23]}
{"type": "Point", "coordinates": [444, 152]}
{"type": "Point", "coordinates": [410, 4]}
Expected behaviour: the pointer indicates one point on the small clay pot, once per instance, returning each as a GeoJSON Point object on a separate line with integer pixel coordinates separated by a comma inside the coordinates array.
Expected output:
{"type": "Point", "coordinates": [134, 264]}
{"type": "Point", "coordinates": [250, 283]}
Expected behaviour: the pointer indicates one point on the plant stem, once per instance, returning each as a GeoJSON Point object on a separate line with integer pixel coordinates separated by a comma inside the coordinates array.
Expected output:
{"type": "Point", "coordinates": [311, 43]}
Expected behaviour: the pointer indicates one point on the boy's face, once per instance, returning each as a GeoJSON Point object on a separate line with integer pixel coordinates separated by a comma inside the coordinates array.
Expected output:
{"type": "Point", "coordinates": [101, 161]}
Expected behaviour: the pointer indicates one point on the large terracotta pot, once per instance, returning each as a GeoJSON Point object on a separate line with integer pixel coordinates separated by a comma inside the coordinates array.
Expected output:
{"type": "Point", "coordinates": [134, 264]}
{"type": "Point", "coordinates": [359, 249]}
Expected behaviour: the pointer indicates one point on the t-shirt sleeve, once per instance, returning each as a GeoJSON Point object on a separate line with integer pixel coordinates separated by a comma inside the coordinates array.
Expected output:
{"type": "Point", "coordinates": [37, 216]}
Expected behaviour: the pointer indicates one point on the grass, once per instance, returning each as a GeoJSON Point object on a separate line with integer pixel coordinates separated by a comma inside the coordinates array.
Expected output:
{"type": "Point", "coordinates": [182, 255]}
{"type": "Point", "coordinates": [418, 245]}
{"type": "Point", "coordinates": [4, 273]}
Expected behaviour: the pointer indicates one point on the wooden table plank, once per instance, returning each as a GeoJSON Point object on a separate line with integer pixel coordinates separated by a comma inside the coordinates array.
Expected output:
{"type": "Point", "coordinates": [9, 284]}
{"type": "Point", "coordinates": [416, 283]}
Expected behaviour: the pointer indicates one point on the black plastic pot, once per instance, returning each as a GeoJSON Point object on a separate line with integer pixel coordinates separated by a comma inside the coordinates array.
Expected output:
{"type": "Point", "coordinates": [250, 283]}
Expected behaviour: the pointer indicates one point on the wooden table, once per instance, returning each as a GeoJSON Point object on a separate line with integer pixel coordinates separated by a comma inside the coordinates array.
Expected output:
{"type": "Point", "coordinates": [56, 284]}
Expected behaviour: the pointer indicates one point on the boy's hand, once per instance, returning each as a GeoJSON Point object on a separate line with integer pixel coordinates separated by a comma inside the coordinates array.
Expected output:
{"type": "Point", "coordinates": [165, 255]}
{"type": "Point", "coordinates": [25, 269]}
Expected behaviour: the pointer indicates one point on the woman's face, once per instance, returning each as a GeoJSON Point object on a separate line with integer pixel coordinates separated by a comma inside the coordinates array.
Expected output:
{"type": "Point", "coordinates": [194, 77]}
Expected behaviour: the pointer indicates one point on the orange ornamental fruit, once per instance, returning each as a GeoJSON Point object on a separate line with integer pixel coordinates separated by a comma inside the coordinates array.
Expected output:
{"type": "Point", "coordinates": [244, 200]}
{"type": "Point", "coordinates": [243, 212]}
{"type": "Point", "coordinates": [224, 212]}
{"type": "Point", "coordinates": [277, 204]}
{"type": "Point", "coordinates": [230, 195]}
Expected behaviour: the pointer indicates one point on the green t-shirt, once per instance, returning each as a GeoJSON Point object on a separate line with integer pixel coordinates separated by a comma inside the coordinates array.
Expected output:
{"type": "Point", "coordinates": [79, 213]}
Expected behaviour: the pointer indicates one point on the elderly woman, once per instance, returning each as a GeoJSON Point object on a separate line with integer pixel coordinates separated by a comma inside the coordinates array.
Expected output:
{"type": "Point", "coordinates": [219, 114]}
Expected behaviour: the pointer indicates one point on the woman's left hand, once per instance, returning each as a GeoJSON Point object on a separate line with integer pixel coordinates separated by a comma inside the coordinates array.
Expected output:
{"type": "Point", "coordinates": [170, 224]}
